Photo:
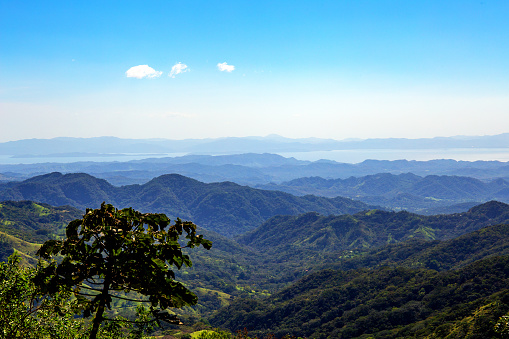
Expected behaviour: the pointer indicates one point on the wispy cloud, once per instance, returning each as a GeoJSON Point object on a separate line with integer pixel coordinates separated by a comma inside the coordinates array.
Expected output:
{"type": "Point", "coordinates": [177, 69]}
{"type": "Point", "coordinates": [172, 115]}
{"type": "Point", "coordinates": [142, 71]}
{"type": "Point", "coordinates": [224, 67]}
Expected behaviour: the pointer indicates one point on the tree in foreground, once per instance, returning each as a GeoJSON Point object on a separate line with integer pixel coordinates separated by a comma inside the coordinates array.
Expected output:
{"type": "Point", "coordinates": [24, 313]}
{"type": "Point", "coordinates": [122, 254]}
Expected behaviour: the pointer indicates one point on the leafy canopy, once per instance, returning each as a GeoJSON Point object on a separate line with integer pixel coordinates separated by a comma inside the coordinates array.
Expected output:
{"type": "Point", "coordinates": [110, 252]}
{"type": "Point", "coordinates": [24, 313]}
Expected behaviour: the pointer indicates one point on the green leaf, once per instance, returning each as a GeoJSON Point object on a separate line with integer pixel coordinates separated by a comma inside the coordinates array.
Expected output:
{"type": "Point", "coordinates": [124, 250]}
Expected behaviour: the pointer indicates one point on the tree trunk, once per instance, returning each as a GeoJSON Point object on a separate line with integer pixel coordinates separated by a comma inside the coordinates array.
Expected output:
{"type": "Point", "coordinates": [98, 319]}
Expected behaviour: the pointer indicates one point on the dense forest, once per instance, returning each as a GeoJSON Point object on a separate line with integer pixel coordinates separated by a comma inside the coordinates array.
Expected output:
{"type": "Point", "coordinates": [296, 271]}
{"type": "Point", "coordinates": [424, 187]}
{"type": "Point", "coordinates": [226, 208]}
{"type": "Point", "coordinates": [387, 302]}
{"type": "Point", "coordinates": [406, 191]}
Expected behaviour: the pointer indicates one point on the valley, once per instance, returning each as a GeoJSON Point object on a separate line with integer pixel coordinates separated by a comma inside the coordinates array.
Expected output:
{"type": "Point", "coordinates": [254, 169]}
{"type": "Point", "coordinates": [306, 262]}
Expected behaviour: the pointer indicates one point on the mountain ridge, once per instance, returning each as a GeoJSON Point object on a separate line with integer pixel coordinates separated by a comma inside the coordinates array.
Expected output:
{"type": "Point", "coordinates": [365, 230]}
{"type": "Point", "coordinates": [227, 208]}
{"type": "Point", "coordinates": [269, 143]}
{"type": "Point", "coordinates": [403, 191]}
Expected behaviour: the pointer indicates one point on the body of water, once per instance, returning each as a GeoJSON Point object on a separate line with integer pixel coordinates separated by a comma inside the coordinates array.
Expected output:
{"type": "Point", "coordinates": [356, 156]}
{"type": "Point", "coordinates": [346, 156]}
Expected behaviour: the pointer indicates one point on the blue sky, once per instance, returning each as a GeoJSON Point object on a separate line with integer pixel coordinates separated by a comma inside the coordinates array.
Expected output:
{"type": "Point", "coordinates": [329, 69]}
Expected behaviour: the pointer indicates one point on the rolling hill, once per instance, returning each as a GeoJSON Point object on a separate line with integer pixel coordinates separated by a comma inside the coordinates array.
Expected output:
{"type": "Point", "coordinates": [368, 229]}
{"type": "Point", "coordinates": [387, 302]}
{"type": "Point", "coordinates": [403, 191]}
{"type": "Point", "coordinates": [24, 225]}
{"type": "Point", "coordinates": [327, 291]}
{"type": "Point", "coordinates": [226, 208]}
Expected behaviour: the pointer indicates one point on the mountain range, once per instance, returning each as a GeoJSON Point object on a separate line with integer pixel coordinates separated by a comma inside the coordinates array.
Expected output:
{"type": "Point", "coordinates": [375, 228]}
{"type": "Point", "coordinates": [252, 169]}
{"type": "Point", "coordinates": [387, 302]}
{"type": "Point", "coordinates": [455, 288]}
{"type": "Point", "coordinates": [404, 191]}
{"type": "Point", "coordinates": [226, 207]}
{"type": "Point", "coordinates": [271, 143]}
{"type": "Point", "coordinates": [308, 265]}
{"type": "Point", "coordinates": [369, 274]}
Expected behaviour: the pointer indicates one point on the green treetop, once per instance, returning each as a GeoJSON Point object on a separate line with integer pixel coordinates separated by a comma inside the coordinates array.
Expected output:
{"type": "Point", "coordinates": [111, 251]}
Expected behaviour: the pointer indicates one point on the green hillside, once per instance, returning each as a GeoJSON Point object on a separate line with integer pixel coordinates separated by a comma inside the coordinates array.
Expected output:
{"type": "Point", "coordinates": [364, 230]}
{"type": "Point", "coordinates": [374, 273]}
{"type": "Point", "coordinates": [438, 255]}
{"type": "Point", "coordinates": [245, 272]}
{"type": "Point", "coordinates": [226, 208]}
{"type": "Point", "coordinates": [25, 224]}
{"type": "Point", "coordinates": [404, 191]}
{"type": "Point", "coordinates": [26, 250]}
{"type": "Point", "coordinates": [387, 302]}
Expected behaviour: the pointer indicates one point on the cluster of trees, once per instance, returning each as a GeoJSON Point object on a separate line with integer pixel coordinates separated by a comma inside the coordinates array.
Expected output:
{"type": "Point", "coordinates": [117, 259]}
{"type": "Point", "coordinates": [387, 302]}
{"type": "Point", "coordinates": [108, 254]}
{"type": "Point", "coordinates": [26, 313]}
{"type": "Point", "coordinates": [220, 334]}
{"type": "Point", "coordinates": [364, 230]}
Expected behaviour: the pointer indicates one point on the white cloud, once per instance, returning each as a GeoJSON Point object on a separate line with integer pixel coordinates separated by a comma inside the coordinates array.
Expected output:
{"type": "Point", "coordinates": [224, 67]}
{"type": "Point", "coordinates": [177, 69]}
{"type": "Point", "coordinates": [142, 71]}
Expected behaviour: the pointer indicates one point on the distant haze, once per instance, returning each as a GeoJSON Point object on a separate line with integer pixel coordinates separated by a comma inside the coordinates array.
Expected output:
{"type": "Point", "coordinates": [102, 149]}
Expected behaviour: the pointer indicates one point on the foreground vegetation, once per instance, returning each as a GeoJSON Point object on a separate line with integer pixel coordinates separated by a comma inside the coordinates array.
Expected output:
{"type": "Point", "coordinates": [373, 274]}
{"type": "Point", "coordinates": [25, 313]}
{"type": "Point", "coordinates": [382, 303]}
{"type": "Point", "coordinates": [108, 254]}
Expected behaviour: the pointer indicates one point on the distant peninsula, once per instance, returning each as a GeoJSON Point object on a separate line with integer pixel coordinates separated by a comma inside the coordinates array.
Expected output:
{"type": "Point", "coordinates": [107, 146]}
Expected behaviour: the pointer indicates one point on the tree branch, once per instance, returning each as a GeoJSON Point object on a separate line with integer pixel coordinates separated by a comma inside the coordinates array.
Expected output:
{"type": "Point", "coordinates": [90, 288]}
{"type": "Point", "coordinates": [131, 321]}
{"type": "Point", "coordinates": [111, 295]}
{"type": "Point", "coordinates": [128, 299]}
{"type": "Point", "coordinates": [87, 295]}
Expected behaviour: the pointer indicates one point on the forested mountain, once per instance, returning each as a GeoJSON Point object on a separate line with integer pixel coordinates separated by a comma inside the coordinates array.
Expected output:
{"type": "Point", "coordinates": [404, 191]}
{"type": "Point", "coordinates": [241, 271]}
{"type": "Point", "coordinates": [226, 208]}
{"type": "Point", "coordinates": [25, 224]}
{"type": "Point", "coordinates": [366, 273]}
{"type": "Point", "coordinates": [438, 255]}
{"type": "Point", "coordinates": [429, 195]}
{"type": "Point", "coordinates": [364, 230]}
{"type": "Point", "coordinates": [286, 253]}
{"type": "Point", "coordinates": [341, 275]}
{"type": "Point", "coordinates": [253, 169]}
{"type": "Point", "coordinates": [387, 302]}
{"type": "Point", "coordinates": [392, 291]}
